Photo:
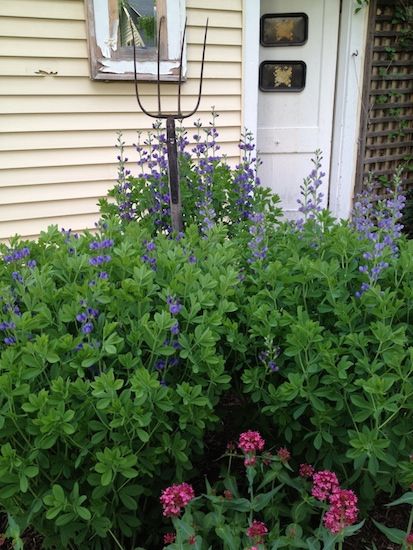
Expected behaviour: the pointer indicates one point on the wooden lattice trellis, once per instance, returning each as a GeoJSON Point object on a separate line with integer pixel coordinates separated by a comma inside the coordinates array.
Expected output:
{"type": "Point", "coordinates": [386, 137]}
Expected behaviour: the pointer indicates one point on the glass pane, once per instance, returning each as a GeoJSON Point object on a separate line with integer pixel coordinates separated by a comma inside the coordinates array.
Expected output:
{"type": "Point", "coordinates": [141, 16]}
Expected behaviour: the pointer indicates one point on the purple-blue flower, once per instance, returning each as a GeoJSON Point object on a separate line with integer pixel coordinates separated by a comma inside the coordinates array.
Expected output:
{"type": "Point", "coordinates": [257, 244]}
{"type": "Point", "coordinates": [174, 305]}
{"type": "Point", "coordinates": [377, 219]}
{"type": "Point", "coordinates": [16, 255]}
{"type": "Point", "coordinates": [17, 276]}
{"type": "Point", "coordinates": [87, 328]}
{"type": "Point", "coordinates": [311, 198]}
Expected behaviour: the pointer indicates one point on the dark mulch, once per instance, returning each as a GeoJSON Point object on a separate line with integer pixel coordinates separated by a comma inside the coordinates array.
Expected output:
{"type": "Point", "coordinates": [395, 516]}
{"type": "Point", "coordinates": [32, 540]}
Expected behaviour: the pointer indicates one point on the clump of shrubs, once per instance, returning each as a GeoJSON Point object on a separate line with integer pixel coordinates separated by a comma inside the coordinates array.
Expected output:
{"type": "Point", "coordinates": [125, 352]}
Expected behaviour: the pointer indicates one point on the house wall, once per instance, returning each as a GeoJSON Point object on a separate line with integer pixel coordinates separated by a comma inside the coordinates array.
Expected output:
{"type": "Point", "coordinates": [57, 133]}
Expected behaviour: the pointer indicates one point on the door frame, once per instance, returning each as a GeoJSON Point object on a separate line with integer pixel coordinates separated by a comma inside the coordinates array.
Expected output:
{"type": "Point", "coordinates": [348, 96]}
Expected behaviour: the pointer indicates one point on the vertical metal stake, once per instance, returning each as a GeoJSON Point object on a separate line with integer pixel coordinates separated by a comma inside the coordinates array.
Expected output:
{"type": "Point", "coordinates": [175, 196]}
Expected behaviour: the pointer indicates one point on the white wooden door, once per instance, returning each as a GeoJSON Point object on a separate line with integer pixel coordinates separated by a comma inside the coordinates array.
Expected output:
{"type": "Point", "coordinates": [292, 125]}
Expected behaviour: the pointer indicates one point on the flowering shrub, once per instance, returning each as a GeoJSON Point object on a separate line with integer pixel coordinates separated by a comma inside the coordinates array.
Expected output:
{"type": "Point", "coordinates": [212, 193]}
{"type": "Point", "coordinates": [108, 383]}
{"type": "Point", "coordinates": [124, 353]}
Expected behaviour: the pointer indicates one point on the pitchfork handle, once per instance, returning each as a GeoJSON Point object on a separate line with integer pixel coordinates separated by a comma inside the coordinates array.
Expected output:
{"type": "Point", "coordinates": [176, 207]}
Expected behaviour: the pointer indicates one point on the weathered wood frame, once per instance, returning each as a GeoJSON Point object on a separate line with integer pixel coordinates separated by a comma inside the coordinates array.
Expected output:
{"type": "Point", "coordinates": [121, 59]}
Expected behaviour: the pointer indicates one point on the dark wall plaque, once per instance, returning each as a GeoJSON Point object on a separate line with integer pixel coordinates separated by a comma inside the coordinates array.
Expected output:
{"type": "Point", "coordinates": [282, 76]}
{"type": "Point", "coordinates": [284, 29]}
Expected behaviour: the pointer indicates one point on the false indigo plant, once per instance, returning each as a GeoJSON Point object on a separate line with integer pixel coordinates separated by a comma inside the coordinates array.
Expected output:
{"type": "Point", "coordinates": [204, 165]}
{"type": "Point", "coordinates": [122, 189]}
{"type": "Point", "coordinates": [245, 176]}
{"type": "Point", "coordinates": [311, 198]}
{"type": "Point", "coordinates": [212, 193]}
{"type": "Point", "coordinates": [377, 219]}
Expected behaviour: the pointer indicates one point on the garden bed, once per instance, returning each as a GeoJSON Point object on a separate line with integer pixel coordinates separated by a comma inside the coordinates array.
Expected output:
{"type": "Point", "coordinates": [133, 358]}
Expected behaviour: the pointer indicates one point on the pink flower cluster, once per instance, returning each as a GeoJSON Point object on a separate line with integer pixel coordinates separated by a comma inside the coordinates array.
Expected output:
{"type": "Point", "coordinates": [284, 454]}
{"type": "Point", "coordinates": [257, 531]}
{"type": "Point", "coordinates": [409, 541]}
{"type": "Point", "coordinates": [342, 512]}
{"type": "Point", "coordinates": [169, 538]}
{"type": "Point", "coordinates": [175, 497]}
{"type": "Point", "coordinates": [251, 442]}
{"type": "Point", "coordinates": [343, 502]}
{"type": "Point", "coordinates": [306, 470]}
{"type": "Point", "coordinates": [324, 484]}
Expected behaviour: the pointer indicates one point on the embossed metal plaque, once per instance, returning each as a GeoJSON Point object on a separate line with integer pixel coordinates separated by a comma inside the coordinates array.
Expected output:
{"type": "Point", "coordinates": [284, 29]}
{"type": "Point", "coordinates": [282, 76]}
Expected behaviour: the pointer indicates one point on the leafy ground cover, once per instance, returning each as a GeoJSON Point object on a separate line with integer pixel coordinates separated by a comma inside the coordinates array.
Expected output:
{"type": "Point", "coordinates": [207, 387]}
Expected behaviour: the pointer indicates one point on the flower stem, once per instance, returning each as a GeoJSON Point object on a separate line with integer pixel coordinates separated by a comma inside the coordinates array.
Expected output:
{"type": "Point", "coordinates": [410, 523]}
{"type": "Point", "coordinates": [116, 540]}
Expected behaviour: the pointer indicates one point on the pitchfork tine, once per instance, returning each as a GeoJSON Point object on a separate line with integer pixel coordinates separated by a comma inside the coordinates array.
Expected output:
{"type": "Point", "coordinates": [202, 74]}
{"type": "Point", "coordinates": [180, 67]}
{"type": "Point", "coordinates": [135, 74]}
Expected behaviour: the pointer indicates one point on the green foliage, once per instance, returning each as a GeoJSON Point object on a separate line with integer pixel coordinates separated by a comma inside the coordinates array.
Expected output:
{"type": "Point", "coordinates": [342, 395]}
{"type": "Point", "coordinates": [91, 429]}
{"type": "Point", "coordinates": [117, 369]}
{"type": "Point", "coordinates": [360, 4]}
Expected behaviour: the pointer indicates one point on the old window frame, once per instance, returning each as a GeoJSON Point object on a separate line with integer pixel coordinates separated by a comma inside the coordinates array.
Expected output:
{"type": "Point", "coordinates": [109, 62]}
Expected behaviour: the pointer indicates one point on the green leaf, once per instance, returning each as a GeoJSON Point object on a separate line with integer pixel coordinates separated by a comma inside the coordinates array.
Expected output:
{"type": "Point", "coordinates": [394, 535]}
{"type": "Point", "coordinates": [52, 357]}
{"type": "Point", "coordinates": [24, 484]}
{"type": "Point", "coordinates": [238, 504]}
{"type": "Point", "coordinates": [231, 542]}
{"type": "Point", "coordinates": [64, 519]}
{"type": "Point", "coordinates": [58, 493]}
{"type": "Point", "coordinates": [407, 498]}
{"type": "Point", "coordinates": [31, 471]}
{"type": "Point", "coordinates": [106, 478]}
{"type": "Point", "coordinates": [83, 513]}
{"type": "Point", "coordinates": [262, 500]}
{"type": "Point", "coordinates": [143, 435]}
{"type": "Point", "coordinates": [8, 491]}
{"type": "Point", "coordinates": [129, 502]}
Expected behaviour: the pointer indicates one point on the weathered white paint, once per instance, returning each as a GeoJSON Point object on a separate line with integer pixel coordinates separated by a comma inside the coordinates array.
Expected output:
{"type": "Point", "coordinates": [292, 125]}
{"type": "Point", "coordinates": [142, 67]}
{"type": "Point", "coordinates": [353, 34]}
{"type": "Point", "coordinates": [251, 53]}
{"type": "Point", "coordinates": [105, 39]}
{"type": "Point", "coordinates": [175, 16]}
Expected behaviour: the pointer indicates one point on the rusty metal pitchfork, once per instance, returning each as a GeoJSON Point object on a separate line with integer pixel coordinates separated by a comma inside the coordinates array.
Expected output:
{"type": "Point", "coordinates": [173, 173]}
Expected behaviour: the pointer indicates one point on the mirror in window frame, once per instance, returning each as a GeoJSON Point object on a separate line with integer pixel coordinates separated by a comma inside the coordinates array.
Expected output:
{"type": "Point", "coordinates": [110, 24]}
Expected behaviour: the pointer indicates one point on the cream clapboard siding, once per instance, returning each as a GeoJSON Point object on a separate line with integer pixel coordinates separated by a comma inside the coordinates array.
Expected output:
{"type": "Point", "coordinates": [57, 133]}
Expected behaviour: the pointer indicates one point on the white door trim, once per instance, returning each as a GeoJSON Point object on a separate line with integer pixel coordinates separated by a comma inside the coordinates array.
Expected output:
{"type": "Point", "coordinates": [347, 110]}
{"type": "Point", "coordinates": [351, 49]}
{"type": "Point", "coordinates": [250, 64]}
